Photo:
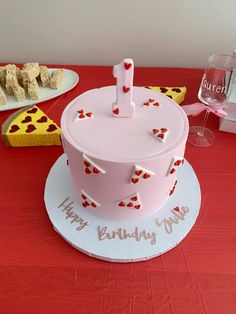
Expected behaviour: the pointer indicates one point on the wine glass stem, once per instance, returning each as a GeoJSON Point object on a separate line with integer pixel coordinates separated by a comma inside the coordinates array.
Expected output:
{"type": "Point", "coordinates": [201, 131]}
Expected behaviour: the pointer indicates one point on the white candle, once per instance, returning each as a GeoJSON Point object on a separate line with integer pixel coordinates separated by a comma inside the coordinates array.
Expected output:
{"type": "Point", "coordinates": [124, 73]}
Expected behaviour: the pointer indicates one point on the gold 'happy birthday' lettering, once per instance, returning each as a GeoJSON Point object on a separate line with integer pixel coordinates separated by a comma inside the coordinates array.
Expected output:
{"type": "Point", "coordinates": [123, 234]}
{"type": "Point", "coordinates": [67, 209]}
{"type": "Point", "coordinates": [178, 216]}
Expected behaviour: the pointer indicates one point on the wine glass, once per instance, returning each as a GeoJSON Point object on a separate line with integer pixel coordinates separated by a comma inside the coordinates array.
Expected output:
{"type": "Point", "coordinates": [214, 90]}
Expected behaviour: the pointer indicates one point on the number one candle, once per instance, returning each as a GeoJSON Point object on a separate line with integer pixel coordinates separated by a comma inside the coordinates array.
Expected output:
{"type": "Point", "coordinates": [124, 73]}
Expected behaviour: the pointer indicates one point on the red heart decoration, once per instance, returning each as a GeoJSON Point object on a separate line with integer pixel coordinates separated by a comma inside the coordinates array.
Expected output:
{"type": "Point", "coordinates": [134, 198]}
{"type": "Point", "coordinates": [178, 162]}
{"type": "Point", "coordinates": [121, 204]}
{"type": "Point", "coordinates": [137, 206]}
{"type": "Point", "coordinates": [151, 100]}
{"type": "Point", "coordinates": [27, 119]}
{"type": "Point", "coordinates": [86, 163]}
{"type": "Point", "coordinates": [164, 130]}
{"type": "Point", "coordinates": [177, 209]}
{"type": "Point", "coordinates": [177, 90]}
{"type": "Point", "coordinates": [163, 90]}
{"type": "Point", "coordinates": [14, 128]}
{"type": "Point", "coordinates": [146, 176]}
{"type": "Point", "coordinates": [95, 170]}
{"type": "Point", "coordinates": [85, 204]}
{"type": "Point", "coordinates": [172, 171]}
{"type": "Point", "coordinates": [116, 111]}
{"type": "Point", "coordinates": [155, 131]}
{"type": "Point", "coordinates": [127, 65]}
{"type": "Point", "coordinates": [138, 172]}
{"type": "Point", "coordinates": [89, 114]}
{"type": "Point", "coordinates": [86, 170]}
{"type": "Point", "coordinates": [30, 128]}
{"type": "Point", "coordinates": [42, 119]}
{"type": "Point", "coordinates": [146, 104]}
{"type": "Point", "coordinates": [33, 110]}
{"type": "Point", "coordinates": [51, 128]}
{"type": "Point", "coordinates": [84, 196]}
{"type": "Point", "coordinates": [93, 204]}
{"type": "Point", "coordinates": [156, 104]}
{"type": "Point", "coordinates": [126, 89]}
{"type": "Point", "coordinates": [161, 135]}
{"type": "Point", "coordinates": [134, 180]}
{"type": "Point", "coordinates": [81, 116]}
{"type": "Point", "coordinates": [130, 204]}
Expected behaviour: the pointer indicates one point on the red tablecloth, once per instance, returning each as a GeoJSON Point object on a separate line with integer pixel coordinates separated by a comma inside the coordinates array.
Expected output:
{"type": "Point", "coordinates": [41, 273]}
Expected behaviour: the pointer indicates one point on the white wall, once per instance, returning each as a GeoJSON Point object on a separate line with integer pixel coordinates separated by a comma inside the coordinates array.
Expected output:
{"type": "Point", "coordinates": [179, 33]}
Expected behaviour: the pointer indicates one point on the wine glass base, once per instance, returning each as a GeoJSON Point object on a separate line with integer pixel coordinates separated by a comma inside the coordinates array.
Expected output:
{"type": "Point", "coordinates": [201, 137]}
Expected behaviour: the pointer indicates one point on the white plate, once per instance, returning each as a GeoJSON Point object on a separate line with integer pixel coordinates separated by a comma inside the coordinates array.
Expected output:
{"type": "Point", "coordinates": [70, 80]}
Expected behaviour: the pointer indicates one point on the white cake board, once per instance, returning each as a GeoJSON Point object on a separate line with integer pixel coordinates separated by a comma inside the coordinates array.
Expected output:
{"type": "Point", "coordinates": [133, 241]}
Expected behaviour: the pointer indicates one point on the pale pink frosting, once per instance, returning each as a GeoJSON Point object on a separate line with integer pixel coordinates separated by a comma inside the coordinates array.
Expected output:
{"type": "Point", "coordinates": [117, 145]}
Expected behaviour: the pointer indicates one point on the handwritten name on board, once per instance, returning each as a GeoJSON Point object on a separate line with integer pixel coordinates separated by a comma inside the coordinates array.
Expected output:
{"type": "Point", "coordinates": [70, 215]}
{"type": "Point", "coordinates": [178, 215]}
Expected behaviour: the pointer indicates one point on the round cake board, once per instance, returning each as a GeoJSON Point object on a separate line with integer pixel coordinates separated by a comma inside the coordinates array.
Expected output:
{"type": "Point", "coordinates": [118, 241]}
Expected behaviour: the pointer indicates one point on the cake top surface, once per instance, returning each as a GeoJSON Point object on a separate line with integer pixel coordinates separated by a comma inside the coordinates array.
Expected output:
{"type": "Point", "coordinates": [101, 135]}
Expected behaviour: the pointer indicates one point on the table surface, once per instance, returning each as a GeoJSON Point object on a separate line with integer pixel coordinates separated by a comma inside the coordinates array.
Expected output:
{"type": "Point", "coordinates": [41, 273]}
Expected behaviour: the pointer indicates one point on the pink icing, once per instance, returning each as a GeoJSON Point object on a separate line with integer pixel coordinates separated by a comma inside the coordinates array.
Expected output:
{"type": "Point", "coordinates": [118, 145]}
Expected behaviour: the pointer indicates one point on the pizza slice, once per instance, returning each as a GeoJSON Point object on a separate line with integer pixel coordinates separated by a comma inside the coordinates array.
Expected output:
{"type": "Point", "coordinates": [30, 126]}
{"type": "Point", "coordinates": [175, 93]}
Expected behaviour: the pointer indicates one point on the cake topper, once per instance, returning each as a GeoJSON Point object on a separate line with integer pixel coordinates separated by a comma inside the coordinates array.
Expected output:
{"type": "Point", "coordinates": [124, 107]}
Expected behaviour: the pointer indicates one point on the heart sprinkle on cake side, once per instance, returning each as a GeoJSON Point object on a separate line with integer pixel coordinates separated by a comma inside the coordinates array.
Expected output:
{"type": "Point", "coordinates": [173, 188]}
{"type": "Point", "coordinates": [138, 172]}
{"type": "Point", "coordinates": [121, 204]}
{"type": "Point", "coordinates": [134, 180]}
{"type": "Point", "coordinates": [175, 163]}
{"type": "Point", "coordinates": [86, 163]}
{"type": "Point", "coordinates": [95, 170]}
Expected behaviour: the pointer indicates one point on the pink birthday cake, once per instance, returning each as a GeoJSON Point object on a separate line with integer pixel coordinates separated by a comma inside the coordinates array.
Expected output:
{"type": "Point", "coordinates": [124, 146]}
